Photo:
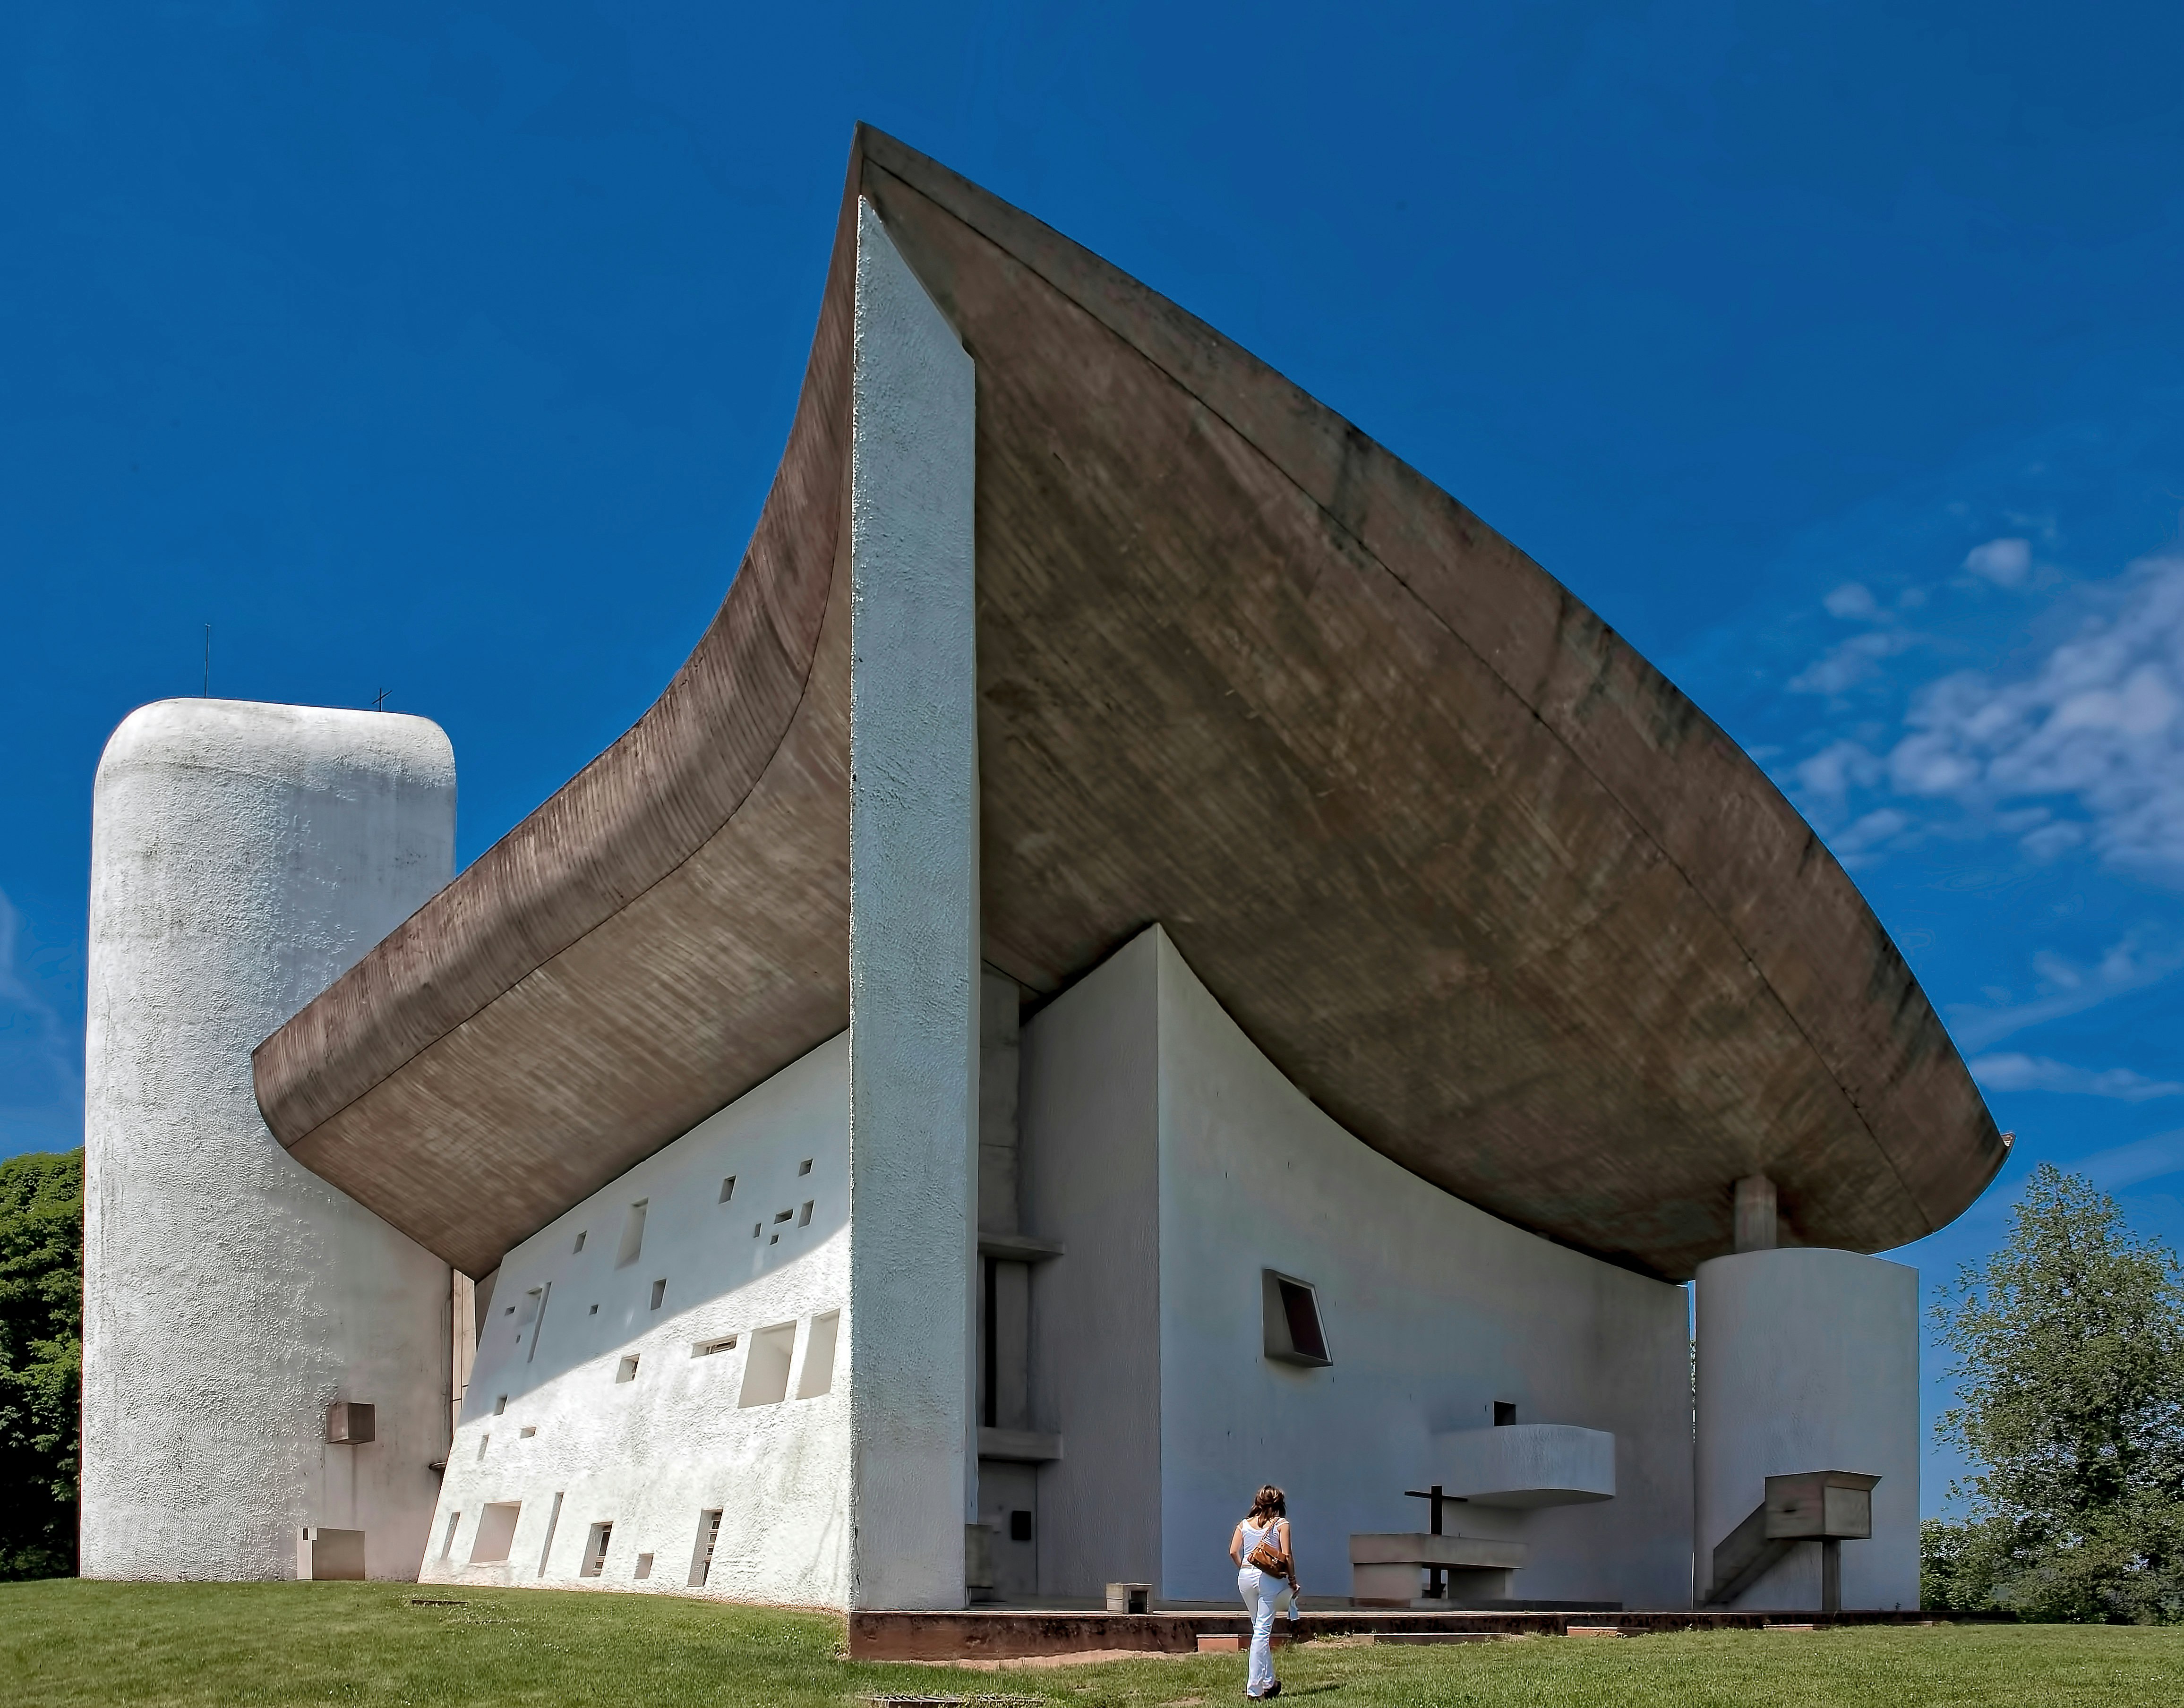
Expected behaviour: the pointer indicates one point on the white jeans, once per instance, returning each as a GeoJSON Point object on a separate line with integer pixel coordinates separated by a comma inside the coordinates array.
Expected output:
{"type": "Point", "coordinates": [1261, 1596]}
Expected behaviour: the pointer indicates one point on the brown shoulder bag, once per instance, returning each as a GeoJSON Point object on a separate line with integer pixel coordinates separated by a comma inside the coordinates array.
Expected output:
{"type": "Point", "coordinates": [1266, 1556]}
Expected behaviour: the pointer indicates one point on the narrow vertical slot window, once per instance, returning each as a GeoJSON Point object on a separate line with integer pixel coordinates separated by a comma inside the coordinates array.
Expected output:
{"type": "Point", "coordinates": [484, 1442]}
{"type": "Point", "coordinates": [658, 1291]}
{"type": "Point", "coordinates": [553, 1523]}
{"type": "Point", "coordinates": [803, 1216]}
{"type": "Point", "coordinates": [579, 1245]}
{"type": "Point", "coordinates": [817, 1375]}
{"type": "Point", "coordinates": [447, 1542]}
{"type": "Point", "coordinates": [632, 1235]}
{"type": "Point", "coordinates": [701, 1557]}
{"type": "Point", "coordinates": [538, 1327]}
{"type": "Point", "coordinates": [728, 1189]}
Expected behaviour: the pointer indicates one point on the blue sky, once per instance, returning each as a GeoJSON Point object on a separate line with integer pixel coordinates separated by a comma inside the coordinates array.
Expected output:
{"type": "Point", "coordinates": [1834, 352]}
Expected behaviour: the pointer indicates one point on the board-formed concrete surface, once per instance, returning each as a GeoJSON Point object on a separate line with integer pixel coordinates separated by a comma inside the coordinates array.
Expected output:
{"type": "Point", "coordinates": [1473, 875]}
{"type": "Point", "coordinates": [242, 856]}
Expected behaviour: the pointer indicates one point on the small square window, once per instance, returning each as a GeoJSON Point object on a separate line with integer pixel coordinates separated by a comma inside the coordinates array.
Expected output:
{"type": "Point", "coordinates": [1294, 1333]}
{"type": "Point", "coordinates": [728, 1189]}
{"type": "Point", "coordinates": [1505, 1413]}
{"type": "Point", "coordinates": [643, 1566]}
{"type": "Point", "coordinates": [626, 1370]}
{"type": "Point", "coordinates": [658, 1291]}
{"type": "Point", "coordinates": [804, 1166]}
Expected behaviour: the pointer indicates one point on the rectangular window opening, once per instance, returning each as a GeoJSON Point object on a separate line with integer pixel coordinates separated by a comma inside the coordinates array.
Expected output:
{"type": "Point", "coordinates": [1294, 1333]}
{"type": "Point", "coordinates": [728, 1189]}
{"type": "Point", "coordinates": [579, 1245]}
{"type": "Point", "coordinates": [706, 1349]}
{"type": "Point", "coordinates": [780, 1215]}
{"type": "Point", "coordinates": [765, 1366]}
{"type": "Point", "coordinates": [595, 1550]}
{"type": "Point", "coordinates": [757, 1228]}
{"type": "Point", "coordinates": [701, 1557]}
{"type": "Point", "coordinates": [553, 1523]}
{"type": "Point", "coordinates": [500, 1404]}
{"type": "Point", "coordinates": [632, 1235]}
{"type": "Point", "coordinates": [594, 1311]}
{"type": "Point", "coordinates": [803, 1216]}
{"type": "Point", "coordinates": [447, 1542]}
{"type": "Point", "coordinates": [817, 1375]}
{"type": "Point", "coordinates": [527, 1431]}
{"type": "Point", "coordinates": [1505, 1413]}
{"type": "Point", "coordinates": [626, 1370]}
{"type": "Point", "coordinates": [484, 1442]}
{"type": "Point", "coordinates": [496, 1530]}
{"type": "Point", "coordinates": [643, 1566]}
{"type": "Point", "coordinates": [658, 1291]}
{"type": "Point", "coordinates": [804, 1166]}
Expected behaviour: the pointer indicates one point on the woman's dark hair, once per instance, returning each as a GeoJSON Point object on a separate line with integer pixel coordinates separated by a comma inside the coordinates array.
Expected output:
{"type": "Point", "coordinates": [1269, 1503]}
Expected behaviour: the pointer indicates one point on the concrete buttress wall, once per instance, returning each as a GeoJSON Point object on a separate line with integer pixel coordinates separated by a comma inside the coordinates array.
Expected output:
{"type": "Point", "coordinates": [913, 939]}
{"type": "Point", "coordinates": [242, 855]}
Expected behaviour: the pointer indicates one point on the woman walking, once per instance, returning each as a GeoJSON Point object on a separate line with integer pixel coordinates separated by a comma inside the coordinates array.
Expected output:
{"type": "Point", "coordinates": [1266, 1570]}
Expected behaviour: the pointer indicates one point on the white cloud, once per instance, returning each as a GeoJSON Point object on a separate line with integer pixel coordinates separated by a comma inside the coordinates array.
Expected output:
{"type": "Point", "coordinates": [2015, 1072]}
{"type": "Point", "coordinates": [1852, 601]}
{"type": "Point", "coordinates": [2098, 720]}
{"type": "Point", "coordinates": [2127, 1165]}
{"type": "Point", "coordinates": [2064, 989]}
{"type": "Point", "coordinates": [1833, 772]}
{"type": "Point", "coordinates": [1848, 663]}
{"type": "Point", "coordinates": [2004, 562]}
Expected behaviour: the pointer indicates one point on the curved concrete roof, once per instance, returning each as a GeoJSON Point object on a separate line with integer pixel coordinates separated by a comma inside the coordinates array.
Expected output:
{"type": "Point", "coordinates": [1470, 871]}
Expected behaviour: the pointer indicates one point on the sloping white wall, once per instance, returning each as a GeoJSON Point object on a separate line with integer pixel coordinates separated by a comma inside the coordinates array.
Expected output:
{"type": "Point", "coordinates": [651, 1455]}
{"type": "Point", "coordinates": [242, 856]}
{"type": "Point", "coordinates": [1089, 1117]}
{"type": "Point", "coordinates": [1433, 1310]}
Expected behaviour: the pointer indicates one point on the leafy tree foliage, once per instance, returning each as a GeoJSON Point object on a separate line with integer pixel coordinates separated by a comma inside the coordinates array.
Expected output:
{"type": "Point", "coordinates": [41, 1362]}
{"type": "Point", "coordinates": [2069, 1344]}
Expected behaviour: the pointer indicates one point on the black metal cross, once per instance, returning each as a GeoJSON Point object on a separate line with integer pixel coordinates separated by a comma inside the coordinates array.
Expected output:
{"type": "Point", "coordinates": [1435, 1586]}
{"type": "Point", "coordinates": [380, 704]}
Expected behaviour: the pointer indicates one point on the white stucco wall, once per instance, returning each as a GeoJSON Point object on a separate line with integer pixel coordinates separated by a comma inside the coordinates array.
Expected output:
{"type": "Point", "coordinates": [1433, 1310]}
{"type": "Point", "coordinates": [914, 940]}
{"type": "Point", "coordinates": [243, 855]}
{"type": "Point", "coordinates": [1176, 1163]}
{"type": "Point", "coordinates": [1808, 1360]}
{"type": "Point", "coordinates": [651, 1455]}
{"type": "Point", "coordinates": [1089, 1117]}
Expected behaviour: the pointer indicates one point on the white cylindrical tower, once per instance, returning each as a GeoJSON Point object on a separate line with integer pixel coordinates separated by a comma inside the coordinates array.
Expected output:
{"type": "Point", "coordinates": [243, 855]}
{"type": "Point", "coordinates": [1808, 1360]}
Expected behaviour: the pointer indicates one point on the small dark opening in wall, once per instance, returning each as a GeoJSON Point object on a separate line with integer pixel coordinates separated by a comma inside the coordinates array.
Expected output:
{"type": "Point", "coordinates": [782, 1214]}
{"type": "Point", "coordinates": [1294, 1333]}
{"type": "Point", "coordinates": [803, 1216]}
{"type": "Point", "coordinates": [804, 1166]}
{"type": "Point", "coordinates": [1302, 1310]}
{"type": "Point", "coordinates": [658, 1291]}
{"type": "Point", "coordinates": [728, 1189]}
{"type": "Point", "coordinates": [1020, 1527]}
{"type": "Point", "coordinates": [579, 1245]}
{"type": "Point", "coordinates": [499, 1405]}
{"type": "Point", "coordinates": [1505, 1413]}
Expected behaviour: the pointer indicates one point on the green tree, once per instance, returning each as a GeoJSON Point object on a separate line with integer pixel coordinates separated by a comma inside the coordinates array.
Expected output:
{"type": "Point", "coordinates": [41, 1362]}
{"type": "Point", "coordinates": [2070, 1345]}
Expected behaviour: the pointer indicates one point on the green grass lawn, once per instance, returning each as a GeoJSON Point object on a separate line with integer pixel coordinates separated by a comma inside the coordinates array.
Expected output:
{"type": "Point", "coordinates": [70, 1642]}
